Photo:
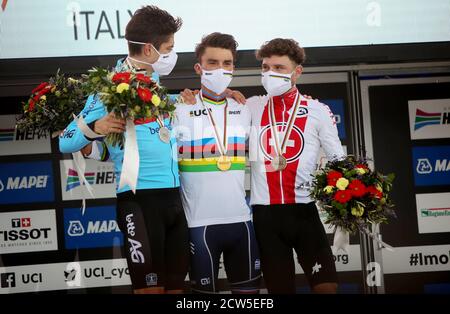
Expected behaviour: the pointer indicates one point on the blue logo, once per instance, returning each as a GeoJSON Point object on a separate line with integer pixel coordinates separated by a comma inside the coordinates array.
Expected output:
{"type": "Point", "coordinates": [431, 165]}
{"type": "Point", "coordinates": [337, 107]}
{"type": "Point", "coordinates": [96, 228]}
{"type": "Point", "coordinates": [26, 182]}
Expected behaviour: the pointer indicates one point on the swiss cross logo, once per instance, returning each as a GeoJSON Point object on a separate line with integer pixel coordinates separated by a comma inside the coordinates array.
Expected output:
{"type": "Point", "coordinates": [294, 144]}
{"type": "Point", "coordinates": [21, 222]}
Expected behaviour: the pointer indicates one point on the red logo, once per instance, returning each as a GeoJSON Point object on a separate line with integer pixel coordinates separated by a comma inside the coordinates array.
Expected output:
{"type": "Point", "coordinates": [25, 222]}
{"type": "Point", "coordinates": [4, 2]}
{"type": "Point", "coordinates": [294, 145]}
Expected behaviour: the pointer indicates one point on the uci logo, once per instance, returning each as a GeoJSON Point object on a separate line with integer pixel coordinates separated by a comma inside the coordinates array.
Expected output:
{"type": "Point", "coordinates": [198, 113]}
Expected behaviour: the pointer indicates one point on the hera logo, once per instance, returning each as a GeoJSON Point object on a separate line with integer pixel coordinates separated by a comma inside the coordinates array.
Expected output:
{"type": "Point", "coordinates": [424, 118]}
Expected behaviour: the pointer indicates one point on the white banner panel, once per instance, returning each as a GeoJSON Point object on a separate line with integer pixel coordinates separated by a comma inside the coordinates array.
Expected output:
{"type": "Point", "coordinates": [429, 118]}
{"type": "Point", "coordinates": [15, 142]}
{"type": "Point", "coordinates": [433, 212]}
{"type": "Point", "coordinates": [49, 28]}
{"type": "Point", "coordinates": [28, 231]}
{"type": "Point", "coordinates": [99, 174]}
{"type": "Point", "coordinates": [415, 259]}
{"type": "Point", "coordinates": [62, 276]}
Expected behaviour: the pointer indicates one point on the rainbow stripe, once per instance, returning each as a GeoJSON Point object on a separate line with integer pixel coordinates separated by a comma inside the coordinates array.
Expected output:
{"type": "Point", "coordinates": [6, 135]}
{"type": "Point", "coordinates": [73, 180]}
{"type": "Point", "coordinates": [202, 155]}
{"type": "Point", "coordinates": [425, 118]}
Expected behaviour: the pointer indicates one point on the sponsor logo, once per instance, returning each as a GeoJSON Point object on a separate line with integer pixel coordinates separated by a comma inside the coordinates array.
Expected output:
{"type": "Point", "coordinates": [67, 133]}
{"type": "Point", "coordinates": [28, 231]}
{"type": "Point", "coordinates": [136, 254]}
{"type": "Point", "coordinates": [429, 118]}
{"type": "Point", "coordinates": [26, 182]}
{"type": "Point", "coordinates": [99, 175]}
{"type": "Point", "coordinates": [205, 281]}
{"type": "Point", "coordinates": [96, 228]}
{"type": "Point", "coordinates": [234, 112]}
{"type": "Point", "coordinates": [198, 113]}
{"type": "Point", "coordinates": [433, 212]}
{"type": "Point", "coordinates": [431, 165]}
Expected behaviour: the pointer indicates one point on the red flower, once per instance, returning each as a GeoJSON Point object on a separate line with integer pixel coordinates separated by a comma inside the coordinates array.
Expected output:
{"type": "Point", "coordinates": [333, 176]}
{"type": "Point", "coordinates": [357, 188]}
{"type": "Point", "coordinates": [41, 86]}
{"type": "Point", "coordinates": [42, 92]}
{"type": "Point", "coordinates": [31, 105]}
{"type": "Point", "coordinates": [145, 94]}
{"type": "Point", "coordinates": [374, 192]}
{"type": "Point", "coordinates": [361, 166]}
{"type": "Point", "coordinates": [343, 196]}
{"type": "Point", "coordinates": [143, 78]}
{"type": "Point", "coordinates": [122, 77]}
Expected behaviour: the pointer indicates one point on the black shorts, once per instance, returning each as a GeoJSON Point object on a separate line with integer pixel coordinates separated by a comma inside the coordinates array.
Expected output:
{"type": "Point", "coordinates": [156, 237]}
{"type": "Point", "coordinates": [282, 228]}
{"type": "Point", "coordinates": [238, 244]}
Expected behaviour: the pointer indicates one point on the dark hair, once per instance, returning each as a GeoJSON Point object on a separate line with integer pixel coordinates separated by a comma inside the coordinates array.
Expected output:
{"type": "Point", "coordinates": [150, 24]}
{"type": "Point", "coordinates": [282, 47]}
{"type": "Point", "coordinates": [216, 40]}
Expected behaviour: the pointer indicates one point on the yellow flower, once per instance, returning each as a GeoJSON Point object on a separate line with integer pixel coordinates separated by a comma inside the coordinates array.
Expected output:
{"type": "Point", "coordinates": [379, 188]}
{"type": "Point", "coordinates": [342, 184]}
{"type": "Point", "coordinates": [156, 100]}
{"type": "Point", "coordinates": [360, 171]}
{"type": "Point", "coordinates": [122, 87]}
{"type": "Point", "coordinates": [43, 97]}
{"type": "Point", "coordinates": [328, 189]}
{"type": "Point", "coordinates": [57, 93]}
{"type": "Point", "coordinates": [357, 211]}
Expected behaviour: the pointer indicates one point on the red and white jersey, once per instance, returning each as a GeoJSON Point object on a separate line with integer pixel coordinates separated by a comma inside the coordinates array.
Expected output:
{"type": "Point", "coordinates": [313, 127]}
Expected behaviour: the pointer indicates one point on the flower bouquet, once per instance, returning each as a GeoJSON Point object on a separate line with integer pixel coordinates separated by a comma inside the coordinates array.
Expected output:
{"type": "Point", "coordinates": [51, 105]}
{"type": "Point", "coordinates": [129, 95]}
{"type": "Point", "coordinates": [352, 195]}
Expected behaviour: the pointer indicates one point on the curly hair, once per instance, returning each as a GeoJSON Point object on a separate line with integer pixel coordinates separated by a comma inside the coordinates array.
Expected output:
{"type": "Point", "coordinates": [282, 47]}
{"type": "Point", "coordinates": [216, 40]}
{"type": "Point", "coordinates": [150, 24]}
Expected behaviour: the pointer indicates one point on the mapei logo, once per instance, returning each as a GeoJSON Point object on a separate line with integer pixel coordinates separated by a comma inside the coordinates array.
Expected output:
{"type": "Point", "coordinates": [19, 183]}
{"type": "Point", "coordinates": [431, 165]}
{"type": "Point", "coordinates": [99, 177]}
{"type": "Point", "coordinates": [96, 228]}
{"type": "Point", "coordinates": [11, 134]}
{"type": "Point", "coordinates": [424, 118]}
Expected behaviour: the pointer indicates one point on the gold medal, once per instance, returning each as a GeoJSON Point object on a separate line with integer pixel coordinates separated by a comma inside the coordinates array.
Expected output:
{"type": "Point", "coordinates": [279, 163]}
{"type": "Point", "coordinates": [224, 163]}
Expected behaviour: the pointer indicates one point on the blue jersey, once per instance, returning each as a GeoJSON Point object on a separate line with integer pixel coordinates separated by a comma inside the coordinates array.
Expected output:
{"type": "Point", "coordinates": [158, 166]}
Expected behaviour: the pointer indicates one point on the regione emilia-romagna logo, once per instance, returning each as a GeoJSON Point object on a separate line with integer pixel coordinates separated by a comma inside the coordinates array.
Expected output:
{"type": "Point", "coordinates": [429, 118]}
{"type": "Point", "coordinates": [433, 212]}
{"type": "Point", "coordinates": [26, 182]}
{"type": "Point", "coordinates": [431, 165]}
{"type": "Point", "coordinates": [100, 175]}
{"type": "Point", "coordinates": [96, 228]}
{"type": "Point", "coordinates": [28, 231]}
{"type": "Point", "coordinates": [16, 142]}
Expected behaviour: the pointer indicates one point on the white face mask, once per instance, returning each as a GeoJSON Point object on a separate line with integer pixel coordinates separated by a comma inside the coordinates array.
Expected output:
{"type": "Point", "coordinates": [276, 83]}
{"type": "Point", "coordinates": [216, 80]}
{"type": "Point", "coordinates": [165, 63]}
